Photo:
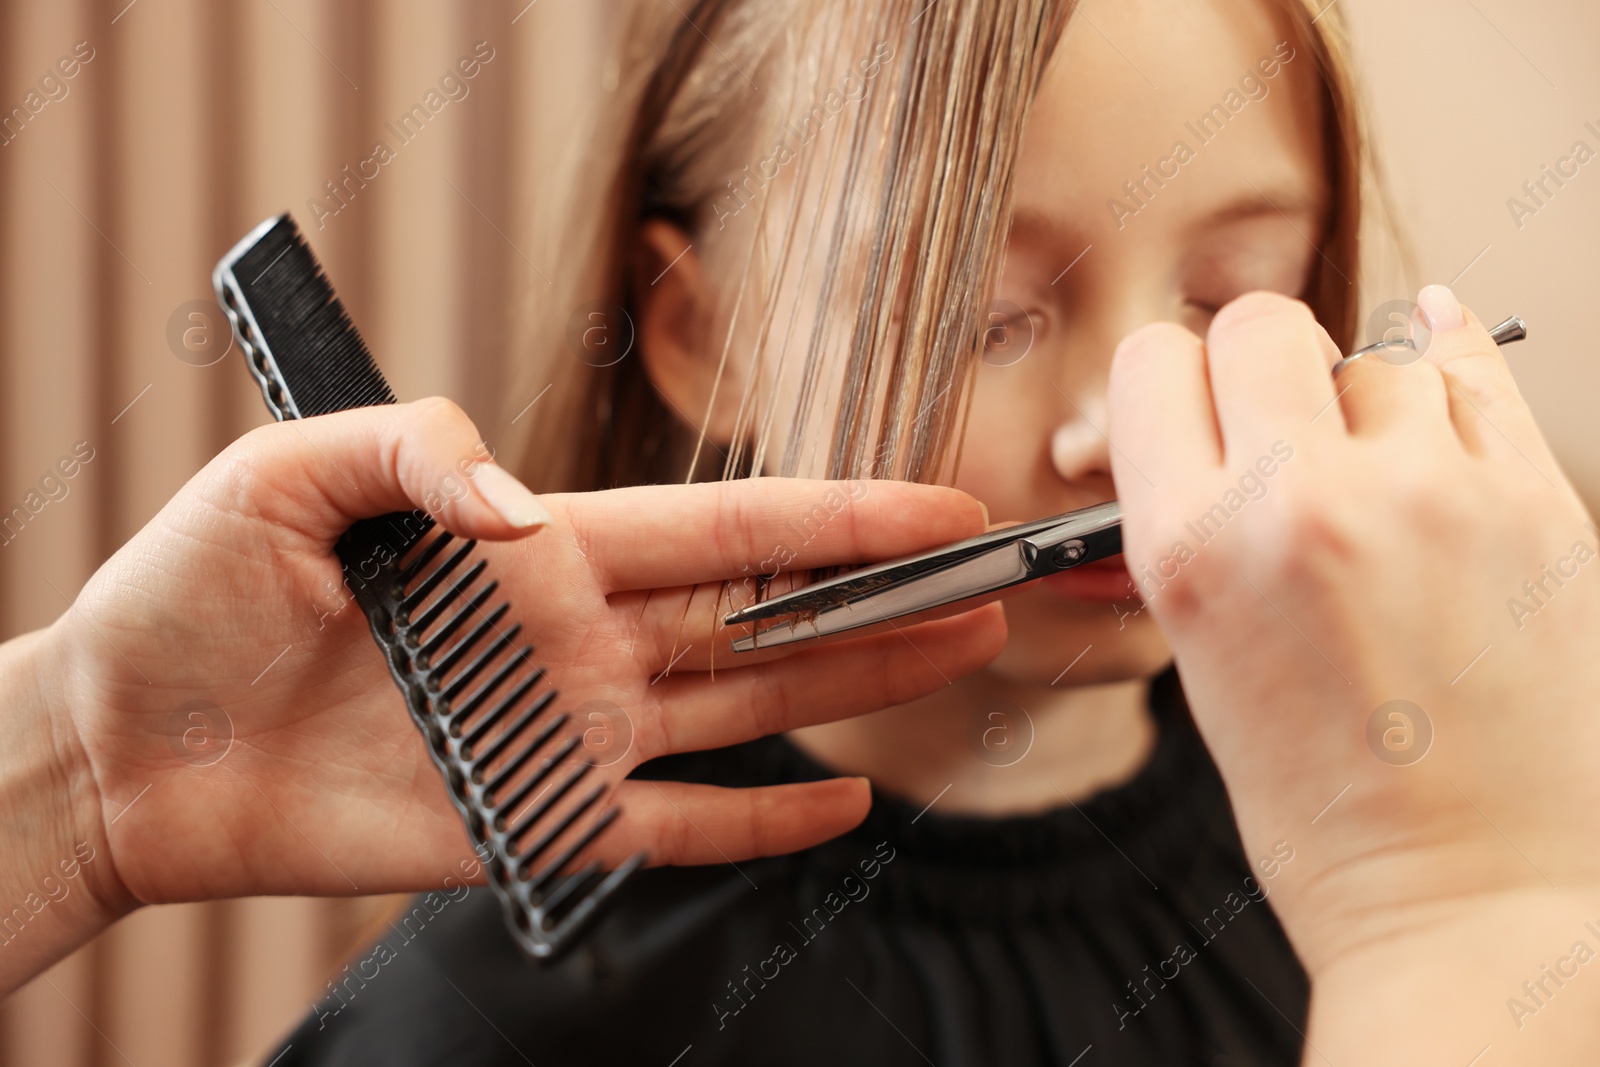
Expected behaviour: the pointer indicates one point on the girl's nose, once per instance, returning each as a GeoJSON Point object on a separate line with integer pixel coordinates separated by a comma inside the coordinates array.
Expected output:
{"type": "Point", "coordinates": [1078, 447]}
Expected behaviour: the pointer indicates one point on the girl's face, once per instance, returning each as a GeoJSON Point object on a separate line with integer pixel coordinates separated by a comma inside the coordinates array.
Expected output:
{"type": "Point", "coordinates": [1173, 161]}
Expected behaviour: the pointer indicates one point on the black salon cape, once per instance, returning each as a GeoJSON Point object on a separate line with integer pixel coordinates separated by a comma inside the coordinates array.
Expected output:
{"type": "Point", "coordinates": [974, 942]}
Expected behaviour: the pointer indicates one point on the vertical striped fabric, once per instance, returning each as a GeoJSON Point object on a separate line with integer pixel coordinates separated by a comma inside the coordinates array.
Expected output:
{"type": "Point", "coordinates": [191, 122]}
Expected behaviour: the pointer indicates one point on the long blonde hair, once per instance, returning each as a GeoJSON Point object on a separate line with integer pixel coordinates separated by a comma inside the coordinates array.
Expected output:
{"type": "Point", "coordinates": [906, 248]}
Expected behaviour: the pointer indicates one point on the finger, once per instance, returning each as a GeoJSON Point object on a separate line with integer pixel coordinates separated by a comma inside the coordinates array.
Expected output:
{"type": "Point", "coordinates": [1163, 428]}
{"type": "Point", "coordinates": [1486, 407]}
{"type": "Point", "coordinates": [824, 683]}
{"type": "Point", "coordinates": [683, 823]}
{"type": "Point", "coordinates": [321, 474]}
{"type": "Point", "coordinates": [653, 536]}
{"type": "Point", "coordinates": [1379, 397]}
{"type": "Point", "coordinates": [1269, 365]}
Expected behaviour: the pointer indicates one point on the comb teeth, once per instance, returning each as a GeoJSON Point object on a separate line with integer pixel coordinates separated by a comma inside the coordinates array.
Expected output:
{"type": "Point", "coordinates": [299, 325]}
{"type": "Point", "coordinates": [509, 759]}
{"type": "Point", "coordinates": [470, 684]}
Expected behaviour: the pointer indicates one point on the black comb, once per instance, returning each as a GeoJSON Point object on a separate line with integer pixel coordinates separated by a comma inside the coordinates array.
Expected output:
{"type": "Point", "coordinates": [468, 681]}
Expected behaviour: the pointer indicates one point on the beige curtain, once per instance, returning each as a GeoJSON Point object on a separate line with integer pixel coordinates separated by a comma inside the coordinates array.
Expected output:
{"type": "Point", "coordinates": [195, 119]}
{"type": "Point", "coordinates": [185, 123]}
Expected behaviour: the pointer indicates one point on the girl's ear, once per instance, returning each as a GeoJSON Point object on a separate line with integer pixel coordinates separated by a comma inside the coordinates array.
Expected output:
{"type": "Point", "coordinates": [676, 310]}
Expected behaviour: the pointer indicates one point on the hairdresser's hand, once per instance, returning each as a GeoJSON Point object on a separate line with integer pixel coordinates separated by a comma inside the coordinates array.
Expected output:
{"type": "Point", "coordinates": [1317, 549]}
{"type": "Point", "coordinates": [212, 718]}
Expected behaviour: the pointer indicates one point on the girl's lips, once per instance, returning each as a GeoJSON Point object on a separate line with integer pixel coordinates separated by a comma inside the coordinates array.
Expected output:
{"type": "Point", "coordinates": [1104, 579]}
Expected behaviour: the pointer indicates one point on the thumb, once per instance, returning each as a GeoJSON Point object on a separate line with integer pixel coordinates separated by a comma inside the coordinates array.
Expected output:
{"type": "Point", "coordinates": [319, 475]}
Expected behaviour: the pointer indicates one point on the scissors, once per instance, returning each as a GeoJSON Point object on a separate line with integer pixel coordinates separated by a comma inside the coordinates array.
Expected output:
{"type": "Point", "coordinates": [979, 565]}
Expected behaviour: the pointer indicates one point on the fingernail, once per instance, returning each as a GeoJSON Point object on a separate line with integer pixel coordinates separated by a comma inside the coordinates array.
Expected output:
{"type": "Point", "coordinates": [1441, 308]}
{"type": "Point", "coordinates": [985, 508]}
{"type": "Point", "coordinates": [514, 501]}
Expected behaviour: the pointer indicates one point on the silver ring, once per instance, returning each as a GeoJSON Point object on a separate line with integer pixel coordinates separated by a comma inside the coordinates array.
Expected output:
{"type": "Point", "coordinates": [1503, 333]}
{"type": "Point", "coordinates": [1379, 346]}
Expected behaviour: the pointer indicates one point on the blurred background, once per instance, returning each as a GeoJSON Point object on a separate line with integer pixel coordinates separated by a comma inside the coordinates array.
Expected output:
{"type": "Point", "coordinates": [191, 121]}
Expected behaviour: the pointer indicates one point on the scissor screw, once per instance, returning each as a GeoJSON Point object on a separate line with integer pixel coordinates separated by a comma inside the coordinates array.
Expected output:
{"type": "Point", "coordinates": [1069, 551]}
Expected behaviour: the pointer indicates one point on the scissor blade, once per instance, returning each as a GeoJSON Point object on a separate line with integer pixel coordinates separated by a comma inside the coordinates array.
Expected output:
{"type": "Point", "coordinates": [996, 569]}
{"type": "Point", "coordinates": [867, 580]}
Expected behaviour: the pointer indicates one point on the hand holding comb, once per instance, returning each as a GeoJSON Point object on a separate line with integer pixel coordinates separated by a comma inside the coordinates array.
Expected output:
{"type": "Point", "coordinates": [468, 681]}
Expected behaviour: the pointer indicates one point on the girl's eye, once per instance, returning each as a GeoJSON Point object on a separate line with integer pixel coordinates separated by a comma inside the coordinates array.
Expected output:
{"type": "Point", "coordinates": [1009, 334]}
